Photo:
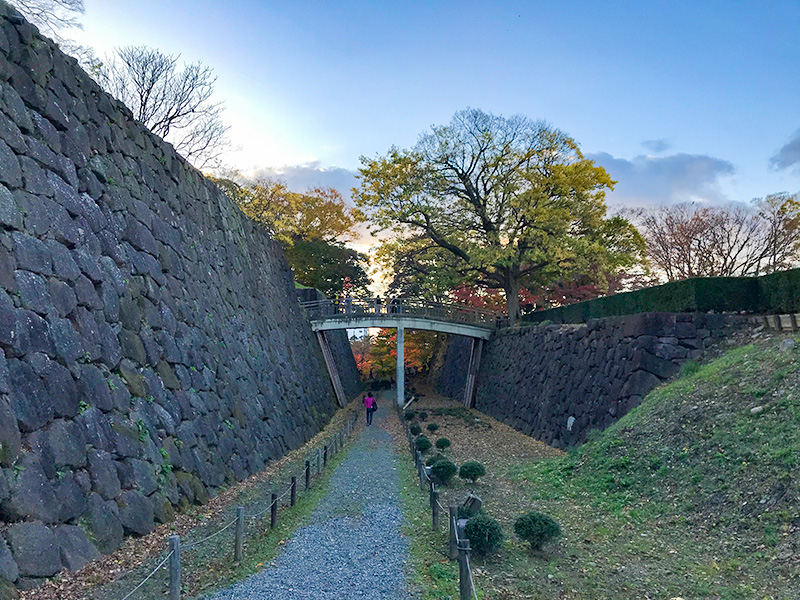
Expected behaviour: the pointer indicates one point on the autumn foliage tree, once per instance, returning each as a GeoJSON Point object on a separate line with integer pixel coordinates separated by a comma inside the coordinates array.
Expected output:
{"type": "Point", "coordinates": [510, 200]}
{"type": "Point", "coordinates": [377, 355]}
{"type": "Point", "coordinates": [311, 226]}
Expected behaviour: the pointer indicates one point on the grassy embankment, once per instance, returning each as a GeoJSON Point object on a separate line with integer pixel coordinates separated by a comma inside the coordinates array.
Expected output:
{"type": "Point", "coordinates": [691, 495]}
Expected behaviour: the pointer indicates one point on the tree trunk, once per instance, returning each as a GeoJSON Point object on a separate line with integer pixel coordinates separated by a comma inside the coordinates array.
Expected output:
{"type": "Point", "coordinates": [511, 289]}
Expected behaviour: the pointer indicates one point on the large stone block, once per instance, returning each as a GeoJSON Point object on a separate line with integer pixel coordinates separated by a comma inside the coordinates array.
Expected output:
{"type": "Point", "coordinates": [103, 474]}
{"type": "Point", "coordinates": [94, 388]}
{"type": "Point", "coordinates": [10, 439]}
{"type": "Point", "coordinates": [8, 566]}
{"type": "Point", "coordinates": [29, 398]}
{"type": "Point", "coordinates": [62, 443]}
{"type": "Point", "coordinates": [135, 513]}
{"type": "Point", "coordinates": [102, 524]}
{"type": "Point", "coordinates": [35, 549]}
{"type": "Point", "coordinates": [74, 546]}
{"type": "Point", "coordinates": [33, 291]}
{"type": "Point", "coordinates": [61, 389]}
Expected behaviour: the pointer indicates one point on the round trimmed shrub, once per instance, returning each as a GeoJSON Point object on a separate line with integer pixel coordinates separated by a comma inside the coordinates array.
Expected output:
{"type": "Point", "coordinates": [409, 415]}
{"type": "Point", "coordinates": [422, 415]}
{"type": "Point", "coordinates": [537, 529]}
{"type": "Point", "coordinates": [471, 470]}
{"type": "Point", "coordinates": [423, 444]}
{"type": "Point", "coordinates": [415, 429]}
{"type": "Point", "coordinates": [443, 470]}
{"type": "Point", "coordinates": [432, 427]}
{"type": "Point", "coordinates": [484, 533]}
{"type": "Point", "coordinates": [433, 459]}
{"type": "Point", "coordinates": [442, 443]}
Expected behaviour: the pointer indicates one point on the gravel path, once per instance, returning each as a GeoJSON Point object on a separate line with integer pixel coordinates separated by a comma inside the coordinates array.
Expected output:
{"type": "Point", "coordinates": [353, 547]}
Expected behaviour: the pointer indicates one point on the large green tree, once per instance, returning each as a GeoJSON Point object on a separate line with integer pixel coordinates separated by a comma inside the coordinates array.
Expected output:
{"type": "Point", "coordinates": [330, 267]}
{"type": "Point", "coordinates": [512, 200]}
{"type": "Point", "coordinates": [310, 226]}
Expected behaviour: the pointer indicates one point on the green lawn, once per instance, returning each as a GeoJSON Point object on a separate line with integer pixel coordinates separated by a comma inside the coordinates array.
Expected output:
{"type": "Point", "coordinates": [691, 495]}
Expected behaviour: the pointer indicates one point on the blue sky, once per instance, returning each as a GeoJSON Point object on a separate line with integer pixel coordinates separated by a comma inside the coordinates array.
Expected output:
{"type": "Point", "coordinates": [678, 100]}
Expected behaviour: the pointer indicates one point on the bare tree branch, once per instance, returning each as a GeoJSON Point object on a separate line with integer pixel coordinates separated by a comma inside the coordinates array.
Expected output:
{"type": "Point", "coordinates": [688, 240]}
{"type": "Point", "coordinates": [173, 102]}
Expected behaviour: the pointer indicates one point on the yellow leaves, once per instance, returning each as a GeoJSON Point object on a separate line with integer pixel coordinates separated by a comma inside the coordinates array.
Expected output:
{"type": "Point", "coordinates": [319, 214]}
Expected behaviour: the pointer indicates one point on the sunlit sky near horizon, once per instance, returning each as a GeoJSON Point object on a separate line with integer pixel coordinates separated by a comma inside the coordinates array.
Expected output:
{"type": "Point", "coordinates": [678, 100]}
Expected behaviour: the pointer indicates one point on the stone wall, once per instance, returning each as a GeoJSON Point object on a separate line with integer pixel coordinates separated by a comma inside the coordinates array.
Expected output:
{"type": "Point", "coordinates": [558, 382]}
{"type": "Point", "coordinates": [340, 347]}
{"type": "Point", "coordinates": [151, 344]}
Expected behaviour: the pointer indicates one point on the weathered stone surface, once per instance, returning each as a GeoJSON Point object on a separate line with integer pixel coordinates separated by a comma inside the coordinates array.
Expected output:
{"type": "Point", "coordinates": [103, 474]}
{"type": "Point", "coordinates": [33, 291]}
{"type": "Point", "coordinates": [10, 215]}
{"type": "Point", "coordinates": [67, 343]}
{"type": "Point", "coordinates": [140, 475]}
{"type": "Point", "coordinates": [33, 495]}
{"type": "Point", "coordinates": [8, 591]}
{"type": "Point", "coordinates": [103, 525]}
{"type": "Point", "coordinates": [558, 382]}
{"type": "Point", "coordinates": [75, 548]}
{"type": "Point", "coordinates": [11, 173]}
{"type": "Point", "coordinates": [32, 254]}
{"type": "Point", "coordinates": [10, 439]}
{"type": "Point", "coordinates": [64, 299]}
{"type": "Point", "coordinates": [140, 311]}
{"type": "Point", "coordinates": [135, 513]}
{"type": "Point", "coordinates": [61, 389]}
{"type": "Point", "coordinates": [94, 388]}
{"type": "Point", "coordinates": [8, 566]}
{"type": "Point", "coordinates": [29, 399]}
{"type": "Point", "coordinates": [35, 549]}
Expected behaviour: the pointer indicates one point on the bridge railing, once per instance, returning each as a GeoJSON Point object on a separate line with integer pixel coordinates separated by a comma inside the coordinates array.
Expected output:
{"type": "Point", "coordinates": [321, 310]}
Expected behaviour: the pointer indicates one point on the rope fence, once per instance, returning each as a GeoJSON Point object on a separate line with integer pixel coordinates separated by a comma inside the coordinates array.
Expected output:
{"type": "Point", "coordinates": [458, 548]}
{"type": "Point", "coordinates": [174, 552]}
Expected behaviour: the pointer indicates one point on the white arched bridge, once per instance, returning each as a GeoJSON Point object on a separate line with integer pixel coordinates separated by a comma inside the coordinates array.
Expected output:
{"type": "Point", "coordinates": [402, 314]}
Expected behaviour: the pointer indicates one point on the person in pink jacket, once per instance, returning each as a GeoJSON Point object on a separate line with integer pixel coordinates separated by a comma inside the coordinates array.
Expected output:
{"type": "Point", "coordinates": [371, 406]}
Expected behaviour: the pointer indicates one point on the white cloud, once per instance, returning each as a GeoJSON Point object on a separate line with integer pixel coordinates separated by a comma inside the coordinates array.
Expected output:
{"type": "Point", "coordinates": [648, 180]}
{"type": "Point", "coordinates": [788, 157]}
{"type": "Point", "coordinates": [302, 177]}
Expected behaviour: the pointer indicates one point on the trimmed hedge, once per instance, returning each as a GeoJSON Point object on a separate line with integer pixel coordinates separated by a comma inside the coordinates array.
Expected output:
{"type": "Point", "coordinates": [775, 293]}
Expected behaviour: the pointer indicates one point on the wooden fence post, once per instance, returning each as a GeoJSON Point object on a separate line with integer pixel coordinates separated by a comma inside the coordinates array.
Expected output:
{"type": "Point", "coordinates": [273, 511]}
{"type": "Point", "coordinates": [325, 457]}
{"type": "Point", "coordinates": [422, 473]}
{"type": "Point", "coordinates": [308, 474]}
{"type": "Point", "coordinates": [237, 548]}
{"type": "Point", "coordinates": [453, 519]}
{"type": "Point", "coordinates": [293, 493]}
{"type": "Point", "coordinates": [464, 585]}
{"type": "Point", "coordinates": [435, 508]}
{"type": "Point", "coordinates": [175, 567]}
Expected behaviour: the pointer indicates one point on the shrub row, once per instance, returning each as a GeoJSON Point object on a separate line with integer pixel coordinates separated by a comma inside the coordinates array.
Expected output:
{"type": "Point", "coordinates": [775, 293]}
{"type": "Point", "coordinates": [485, 534]}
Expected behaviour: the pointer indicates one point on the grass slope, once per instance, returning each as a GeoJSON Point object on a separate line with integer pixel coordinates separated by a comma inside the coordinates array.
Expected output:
{"type": "Point", "coordinates": [692, 495]}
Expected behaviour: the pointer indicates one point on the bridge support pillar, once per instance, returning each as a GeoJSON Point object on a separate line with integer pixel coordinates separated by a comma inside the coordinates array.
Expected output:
{"type": "Point", "coordinates": [401, 364]}
{"type": "Point", "coordinates": [472, 372]}
{"type": "Point", "coordinates": [333, 371]}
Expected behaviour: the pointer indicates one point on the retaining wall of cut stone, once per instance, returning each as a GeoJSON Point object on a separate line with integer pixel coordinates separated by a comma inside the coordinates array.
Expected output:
{"type": "Point", "coordinates": [339, 344]}
{"type": "Point", "coordinates": [151, 344]}
{"type": "Point", "coordinates": [558, 382]}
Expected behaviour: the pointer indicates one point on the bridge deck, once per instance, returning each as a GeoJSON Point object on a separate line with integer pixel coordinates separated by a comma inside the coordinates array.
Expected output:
{"type": "Point", "coordinates": [404, 314]}
{"type": "Point", "coordinates": [413, 314]}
